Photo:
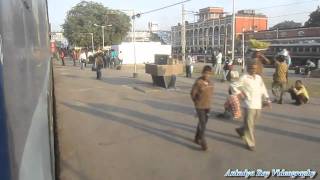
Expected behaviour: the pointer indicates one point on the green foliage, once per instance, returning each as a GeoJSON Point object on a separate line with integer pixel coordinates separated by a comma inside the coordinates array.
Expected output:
{"type": "Point", "coordinates": [286, 25]}
{"type": "Point", "coordinates": [82, 17]}
{"type": "Point", "coordinates": [314, 20]}
{"type": "Point", "coordinates": [155, 37]}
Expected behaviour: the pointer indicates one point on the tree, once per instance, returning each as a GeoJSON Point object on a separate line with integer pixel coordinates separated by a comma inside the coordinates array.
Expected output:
{"type": "Point", "coordinates": [314, 20]}
{"type": "Point", "coordinates": [156, 38]}
{"type": "Point", "coordinates": [286, 25]}
{"type": "Point", "coordinates": [82, 17]}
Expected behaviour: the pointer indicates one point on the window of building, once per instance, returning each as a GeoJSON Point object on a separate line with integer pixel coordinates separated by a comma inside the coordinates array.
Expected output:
{"type": "Point", "coordinates": [271, 49]}
{"type": "Point", "coordinates": [294, 49]}
{"type": "Point", "coordinates": [300, 49]}
{"type": "Point", "coordinates": [314, 49]}
{"type": "Point", "coordinates": [291, 49]}
{"type": "Point", "coordinates": [307, 49]}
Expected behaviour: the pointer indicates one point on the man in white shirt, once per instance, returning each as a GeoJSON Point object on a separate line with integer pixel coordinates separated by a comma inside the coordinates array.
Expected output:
{"type": "Point", "coordinates": [120, 57]}
{"type": "Point", "coordinates": [255, 94]}
{"type": "Point", "coordinates": [219, 63]}
{"type": "Point", "coordinates": [82, 59]}
{"type": "Point", "coordinates": [188, 66]}
{"type": "Point", "coordinates": [90, 53]}
{"type": "Point", "coordinates": [285, 53]}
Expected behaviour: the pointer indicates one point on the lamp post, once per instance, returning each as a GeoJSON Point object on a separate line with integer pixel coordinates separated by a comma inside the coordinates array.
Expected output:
{"type": "Point", "coordinates": [243, 65]}
{"type": "Point", "coordinates": [233, 28]}
{"type": "Point", "coordinates": [133, 37]}
{"type": "Point", "coordinates": [92, 42]}
{"type": "Point", "coordinates": [102, 28]}
{"type": "Point", "coordinates": [135, 74]}
{"type": "Point", "coordinates": [183, 35]}
{"type": "Point", "coordinates": [92, 45]}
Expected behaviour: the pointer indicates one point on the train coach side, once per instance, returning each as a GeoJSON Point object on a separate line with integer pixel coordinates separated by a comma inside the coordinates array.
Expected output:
{"type": "Point", "coordinates": [26, 150]}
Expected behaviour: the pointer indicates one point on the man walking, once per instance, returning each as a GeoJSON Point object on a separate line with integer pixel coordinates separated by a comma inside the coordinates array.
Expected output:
{"type": "Point", "coordinates": [82, 59]}
{"type": "Point", "coordinates": [188, 66]}
{"type": "Point", "coordinates": [62, 57]}
{"type": "Point", "coordinates": [280, 79]}
{"type": "Point", "coordinates": [261, 60]}
{"type": "Point", "coordinates": [99, 64]}
{"type": "Point", "coordinates": [218, 69]}
{"type": "Point", "coordinates": [287, 56]}
{"type": "Point", "coordinates": [74, 57]}
{"type": "Point", "coordinates": [114, 56]}
{"type": "Point", "coordinates": [255, 94]}
{"type": "Point", "coordinates": [201, 95]}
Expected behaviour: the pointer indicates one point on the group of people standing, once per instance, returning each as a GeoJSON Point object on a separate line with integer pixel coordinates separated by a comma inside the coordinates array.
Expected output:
{"type": "Point", "coordinates": [297, 91]}
{"type": "Point", "coordinates": [99, 60]}
{"type": "Point", "coordinates": [248, 94]}
{"type": "Point", "coordinates": [223, 68]}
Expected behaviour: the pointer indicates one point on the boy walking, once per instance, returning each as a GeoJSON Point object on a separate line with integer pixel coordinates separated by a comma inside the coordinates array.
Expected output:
{"type": "Point", "coordinates": [201, 95]}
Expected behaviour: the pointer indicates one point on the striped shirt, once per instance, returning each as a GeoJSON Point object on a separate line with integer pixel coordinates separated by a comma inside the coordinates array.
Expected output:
{"type": "Point", "coordinates": [233, 105]}
{"type": "Point", "coordinates": [281, 72]}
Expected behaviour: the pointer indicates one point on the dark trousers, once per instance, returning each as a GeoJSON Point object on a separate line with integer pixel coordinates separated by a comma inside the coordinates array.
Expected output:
{"type": "Point", "coordinates": [113, 63]}
{"type": "Point", "coordinates": [188, 71]}
{"type": "Point", "coordinates": [104, 63]}
{"type": "Point", "coordinates": [108, 63]}
{"type": "Point", "coordinates": [98, 69]}
{"type": "Point", "coordinates": [300, 99]}
{"type": "Point", "coordinates": [63, 64]}
{"type": "Point", "coordinates": [203, 119]}
{"type": "Point", "coordinates": [278, 90]}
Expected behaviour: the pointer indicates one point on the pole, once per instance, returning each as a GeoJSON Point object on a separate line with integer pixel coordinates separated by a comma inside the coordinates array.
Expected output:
{"type": "Point", "coordinates": [92, 42]}
{"type": "Point", "coordinates": [243, 50]}
{"type": "Point", "coordinates": [183, 35]}
{"type": "Point", "coordinates": [194, 22]}
{"type": "Point", "coordinates": [102, 37]}
{"type": "Point", "coordinates": [225, 39]}
{"type": "Point", "coordinates": [233, 28]}
{"type": "Point", "coordinates": [134, 45]}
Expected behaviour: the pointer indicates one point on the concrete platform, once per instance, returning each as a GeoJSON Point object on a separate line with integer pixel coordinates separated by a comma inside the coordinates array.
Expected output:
{"type": "Point", "coordinates": [107, 130]}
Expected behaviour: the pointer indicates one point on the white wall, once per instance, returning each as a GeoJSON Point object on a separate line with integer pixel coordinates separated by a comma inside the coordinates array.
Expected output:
{"type": "Point", "coordinates": [145, 51]}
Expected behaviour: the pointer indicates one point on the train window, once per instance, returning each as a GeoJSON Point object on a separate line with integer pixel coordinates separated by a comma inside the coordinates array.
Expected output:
{"type": "Point", "coordinates": [314, 49]}
{"type": "Point", "coordinates": [300, 49]}
{"type": "Point", "coordinates": [272, 49]}
{"type": "Point", "coordinates": [294, 49]}
{"type": "Point", "coordinates": [307, 49]}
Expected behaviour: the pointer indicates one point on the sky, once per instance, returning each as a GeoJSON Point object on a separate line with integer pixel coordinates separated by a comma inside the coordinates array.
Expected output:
{"type": "Point", "coordinates": [276, 10]}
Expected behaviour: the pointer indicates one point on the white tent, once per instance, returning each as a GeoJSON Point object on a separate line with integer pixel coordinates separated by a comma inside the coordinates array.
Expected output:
{"type": "Point", "coordinates": [144, 51]}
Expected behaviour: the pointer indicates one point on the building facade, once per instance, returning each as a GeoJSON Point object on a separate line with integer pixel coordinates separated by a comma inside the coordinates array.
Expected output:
{"type": "Point", "coordinates": [213, 28]}
{"type": "Point", "coordinates": [302, 43]}
{"type": "Point", "coordinates": [293, 35]}
{"type": "Point", "coordinates": [147, 36]}
{"type": "Point", "coordinates": [59, 39]}
{"type": "Point", "coordinates": [140, 36]}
